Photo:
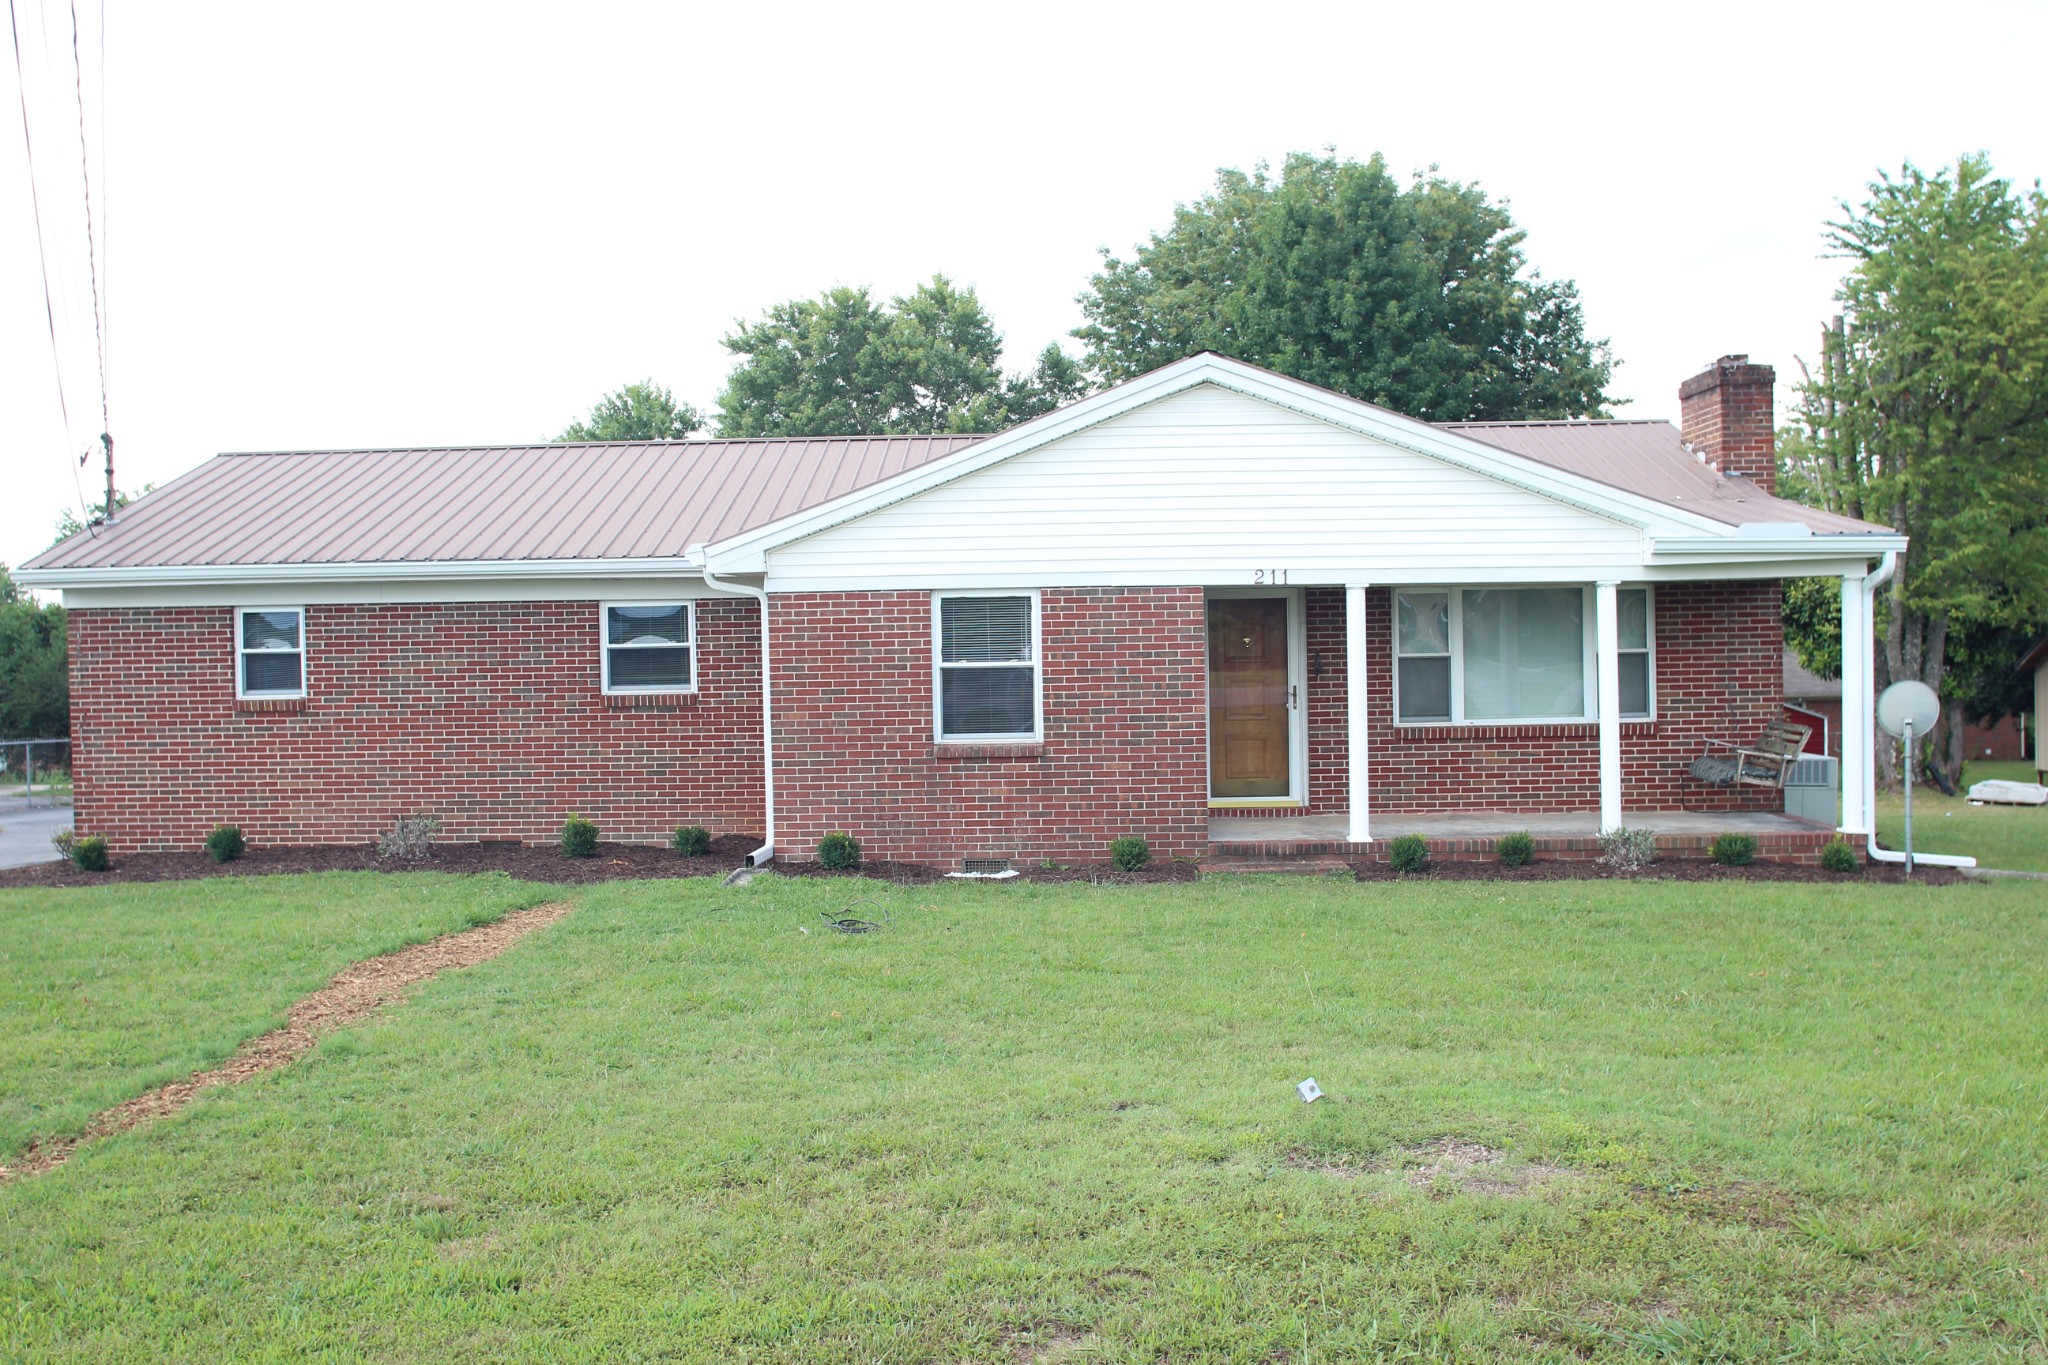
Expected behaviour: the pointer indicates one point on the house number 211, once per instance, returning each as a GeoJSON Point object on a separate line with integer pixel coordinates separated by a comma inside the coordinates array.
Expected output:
{"type": "Point", "coordinates": [1275, 577]}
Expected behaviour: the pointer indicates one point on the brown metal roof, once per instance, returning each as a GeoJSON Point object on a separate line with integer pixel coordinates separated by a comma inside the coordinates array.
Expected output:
{"type": "Point", "coordinates": [635, 500]}
{"type": "Point", "coordinates": [1651, 460]}
{"type": "Point", "coordinates": [652, 500]}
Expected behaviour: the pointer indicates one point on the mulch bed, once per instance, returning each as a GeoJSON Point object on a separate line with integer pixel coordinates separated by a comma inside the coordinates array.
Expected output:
{"type": "Point", "coordinates": [1664, 870]}
{"type": "Point", "coordinates": [917, 874]}
{"type": "Point", "coordinates": [528, 862]}
{"type": "Point", "coordinates": [637, 862]}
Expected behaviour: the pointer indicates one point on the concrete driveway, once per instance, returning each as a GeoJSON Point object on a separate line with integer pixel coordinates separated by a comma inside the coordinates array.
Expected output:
{"type": "Point", "coordinates": [25, 831]}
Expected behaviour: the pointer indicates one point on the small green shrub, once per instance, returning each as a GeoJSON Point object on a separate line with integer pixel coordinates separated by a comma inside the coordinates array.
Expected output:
{"type": "Point", "coordinates": [1838, 855]}
{"type": "Point", "coordinates": [579, 837]}
{"type": "Point", "coordinates": [1628, 849]}
{"type": "Point", "coordinates": [62, 841]}
{"type": "Point", "coordinates": [1129, 852]}
{"type": "Point", "coordinates": [692, 841]}
{"type": "Point", "coordinates": [1517, 850]}
{"type": "Point", "coordinates": [838, 851]}
{"type": "Point", "coordinates": [226, 843]}
{"type": "Point", "coordinates": [1409, 853]}
{"type": "Point", "coordinates": [89, 853]}
{"type": "Point", "coordinates": [1735, 850]}
{"type": "Point", "coordinates": [410, 837]}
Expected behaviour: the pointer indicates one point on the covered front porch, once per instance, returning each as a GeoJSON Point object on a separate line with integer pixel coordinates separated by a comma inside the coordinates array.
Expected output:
{"type": "Point", "coordinates": [1475, 833]}
{"type": "Point", "coordinates": [1344, 716]}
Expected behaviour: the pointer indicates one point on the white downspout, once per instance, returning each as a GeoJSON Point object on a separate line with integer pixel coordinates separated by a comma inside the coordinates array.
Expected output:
{"type": "Point", "coordinates": [766, 852]}
{"type": "Point", "coordinates": [1867, 722]}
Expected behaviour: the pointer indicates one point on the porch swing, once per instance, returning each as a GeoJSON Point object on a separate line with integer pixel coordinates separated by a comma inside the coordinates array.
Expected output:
{"type": "Point", "coordinates": [1765, 763]}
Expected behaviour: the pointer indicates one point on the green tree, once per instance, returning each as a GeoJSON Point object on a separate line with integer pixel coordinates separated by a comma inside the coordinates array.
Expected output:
{"type": "Point", "coordinates": [842, 365]}
{"type": "Point", "coordinates": [35, 687]}
{"type": "Point", "coordinates": [1415, 299]}
{"type": "Point", "coordinates": [68, 524]}
{"type": "Point", "coordinates": [638, 412]}
{"type": "Point", "coordinates": [1930, 410]}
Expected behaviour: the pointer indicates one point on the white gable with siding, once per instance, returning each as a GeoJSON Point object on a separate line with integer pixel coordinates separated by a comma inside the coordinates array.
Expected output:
{"type": "Point", "coordinates": [1209, 485]}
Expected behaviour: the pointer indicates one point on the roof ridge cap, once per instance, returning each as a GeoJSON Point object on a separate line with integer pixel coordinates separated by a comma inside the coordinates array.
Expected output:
{"type": "Point", "coordinates": [1561, 422]}
{"type": "Point", "coordinates": [596, 445]}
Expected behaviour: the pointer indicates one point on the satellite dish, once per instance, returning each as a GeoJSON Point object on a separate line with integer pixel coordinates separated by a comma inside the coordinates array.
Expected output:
{"type": "Point", "coordinates": [1908, 703]}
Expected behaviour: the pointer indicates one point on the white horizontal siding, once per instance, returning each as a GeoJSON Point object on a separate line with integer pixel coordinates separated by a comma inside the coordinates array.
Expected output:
{"type": "Point", "coordinates": [1210, 486]}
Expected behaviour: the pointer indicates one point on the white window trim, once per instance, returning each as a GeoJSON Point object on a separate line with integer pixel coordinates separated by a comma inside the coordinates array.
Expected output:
{"type": "Point", "coordinates": [1589, 629]}
{"type": "Point", "coordinates": [605, 648]}
{"type": "Point", "coordinates": [1648, 651]}
{"type": "Point", "coordinates": [1037, 662]}
{"type": "Point", "coordinates": [304, 652]}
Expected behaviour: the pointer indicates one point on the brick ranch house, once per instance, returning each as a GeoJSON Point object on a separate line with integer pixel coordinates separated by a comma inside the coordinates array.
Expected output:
{"type": "Point", "coordinates": [1213, 606]}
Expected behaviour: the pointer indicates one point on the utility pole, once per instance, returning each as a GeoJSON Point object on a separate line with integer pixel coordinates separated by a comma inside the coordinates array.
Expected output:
{"type": "Point", "coordinates": [108, 442]}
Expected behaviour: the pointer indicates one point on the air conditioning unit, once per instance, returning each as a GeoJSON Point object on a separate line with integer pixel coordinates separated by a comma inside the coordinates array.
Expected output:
{"type": "Point", "coordinates": [1811, 789]}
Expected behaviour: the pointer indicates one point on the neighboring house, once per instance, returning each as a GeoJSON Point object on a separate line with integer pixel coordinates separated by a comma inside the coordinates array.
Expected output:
{"type": "Point", "coordinates": [1815, 701]}
{"type": "Point", "coordinates": [1212, 591]}
{"type": "Point", "coordinates": [2035, 661]}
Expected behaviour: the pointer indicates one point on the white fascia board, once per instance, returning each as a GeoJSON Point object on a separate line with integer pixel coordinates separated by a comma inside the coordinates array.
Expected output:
{"type": "Point", "coordinates": [1756, 542]}
{"type": "Point", "coordinates": [185, 575]}
{"type": "Point", "coordinates": [747, 552]}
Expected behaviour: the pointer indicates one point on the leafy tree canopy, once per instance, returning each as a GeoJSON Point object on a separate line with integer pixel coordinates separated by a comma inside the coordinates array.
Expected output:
{"type": "Point", "coordinates": [35, 688]}
{"type": "Point", "coordinates": [927, 362]}
{"type": "Point", "coordinates": [638, 412]}
{"type": "Point", "coordinates": [1415, 299]}
{"type": "Point", "coordinates": [1929, 412]}
{"type": "Point", "coordinates": [68, 524]}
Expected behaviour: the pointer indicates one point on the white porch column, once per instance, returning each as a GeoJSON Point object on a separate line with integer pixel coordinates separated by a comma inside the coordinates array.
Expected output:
{"type": "Point", "coordinates": [1859, 706]}
{"type": "Point", "coordinates": [1607, 658]}
{"type": "Point", "coordinates": [1358, 714]}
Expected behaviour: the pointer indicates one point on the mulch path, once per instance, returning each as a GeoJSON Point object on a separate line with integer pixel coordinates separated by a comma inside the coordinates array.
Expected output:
{"type": "Point", "coordinates": [1663, 870]}
{"type": "Point", "coordinates": [528, 862]}
{"type": "Point", "coordinates": [350, 996]}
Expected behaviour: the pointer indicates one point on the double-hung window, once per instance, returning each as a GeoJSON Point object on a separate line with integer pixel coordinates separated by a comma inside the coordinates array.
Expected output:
{"type": "Point", "coordinates": [987, 664]}
{"type": "Point", "coordinates": [270, 652]}
{"type": "Point", "coordinates": [1513, 654]}
{"type": "Point", "coordinates": [1638, 666]}
{"type": "Point", "coordinates": [649, 647]}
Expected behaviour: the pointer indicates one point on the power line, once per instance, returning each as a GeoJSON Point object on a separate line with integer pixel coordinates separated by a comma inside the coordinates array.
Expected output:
{"type": "Point", "coordinates": [99, 335]}
{"type": "Point", "coordinates": [35, 203]}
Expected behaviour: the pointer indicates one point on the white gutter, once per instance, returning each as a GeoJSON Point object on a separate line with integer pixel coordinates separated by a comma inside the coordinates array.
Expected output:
{"type": "Point", "coordinates": [1744, 543]}
{"type": "Point", "coordinates": [189, 575]}
{"type": "Point", "coordinates": [766, 852]}
{"type": "Point", "coordinates": [1872, 581]}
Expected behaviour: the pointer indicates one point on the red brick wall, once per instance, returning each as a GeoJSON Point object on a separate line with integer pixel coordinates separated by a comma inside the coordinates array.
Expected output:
{"type": "Point", "coordinates": [1125, 745]}
{"type": "Point", "coordinates": [1719, 669]}
{"type": "Point", "coordinates": [487, 715]}
{"type": "Point", "coordinates": [1726, 411]}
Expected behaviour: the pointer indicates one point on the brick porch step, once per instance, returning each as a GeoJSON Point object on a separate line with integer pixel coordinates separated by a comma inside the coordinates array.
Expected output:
{"type": "Point", "coordinates": [1309, 865]}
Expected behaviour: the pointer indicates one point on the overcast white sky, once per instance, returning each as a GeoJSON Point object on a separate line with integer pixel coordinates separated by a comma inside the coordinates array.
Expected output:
{"type": "Point", "coordinates": [385, 224]}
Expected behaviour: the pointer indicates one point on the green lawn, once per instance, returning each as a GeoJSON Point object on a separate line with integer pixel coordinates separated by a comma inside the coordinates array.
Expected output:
{"type": "Point", "coordinates": [108, 991]}
{"type": "Point", "coordinates": [1058, 1123]}
{"type": "Point", "coordinates": [2013, 837]}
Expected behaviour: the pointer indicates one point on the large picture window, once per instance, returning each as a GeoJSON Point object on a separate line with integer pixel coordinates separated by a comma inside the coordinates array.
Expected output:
{"type": "Point", "coordinates": [650, 647]}
{"type": "Point", "coordinates": [270, 652]}
{"type": "Point", "coordinates": [987, 653]}
{"type": "Point", "coordinates": [1512, 654]}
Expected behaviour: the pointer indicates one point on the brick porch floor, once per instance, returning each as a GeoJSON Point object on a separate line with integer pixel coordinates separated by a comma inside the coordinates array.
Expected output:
{"type": "Point", "coordinates": [1473, 834]}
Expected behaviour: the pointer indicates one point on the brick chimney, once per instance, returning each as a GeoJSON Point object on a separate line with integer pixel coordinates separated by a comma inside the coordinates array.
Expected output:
{"type": "Point", "coordinates": [1726, 415]}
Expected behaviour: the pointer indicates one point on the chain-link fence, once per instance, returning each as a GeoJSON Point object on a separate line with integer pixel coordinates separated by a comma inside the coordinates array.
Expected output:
{"type": "Point", "coordinates": [36, 768]}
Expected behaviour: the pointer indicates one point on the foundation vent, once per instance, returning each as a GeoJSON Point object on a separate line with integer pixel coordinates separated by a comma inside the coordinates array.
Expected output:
{"type": "Point", "coordinates": [984, 867]}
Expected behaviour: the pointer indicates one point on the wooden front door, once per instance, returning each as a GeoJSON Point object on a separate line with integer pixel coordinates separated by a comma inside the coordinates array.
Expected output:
{"type": "Point", "coordinates": [1250, 717]}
